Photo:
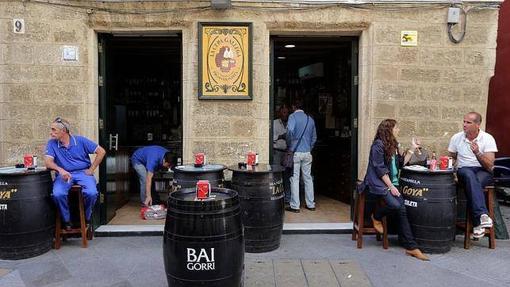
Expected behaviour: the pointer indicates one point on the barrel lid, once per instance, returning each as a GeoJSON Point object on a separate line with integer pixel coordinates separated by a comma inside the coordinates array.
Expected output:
{"type": "Point", "coordinates": [260, 168]}
{"type": "Point", "coordinates": [189, 194]}
{"type": "Point", "coordinates": [424, 170]}
{"type": "Point", "coordinates": [204, 168]}
{"type": "Point", "coordinates": [11, 170]}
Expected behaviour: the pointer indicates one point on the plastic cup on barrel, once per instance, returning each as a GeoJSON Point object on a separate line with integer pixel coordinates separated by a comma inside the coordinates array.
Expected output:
{"type": "Point", "coordinates": [443, 162]}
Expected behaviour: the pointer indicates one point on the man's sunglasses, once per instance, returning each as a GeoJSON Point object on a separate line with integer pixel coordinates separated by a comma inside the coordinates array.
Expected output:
{"type": "Point", "coordinates": [62, 122]}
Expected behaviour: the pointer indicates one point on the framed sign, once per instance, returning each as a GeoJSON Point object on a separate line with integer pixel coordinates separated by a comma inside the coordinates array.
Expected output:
{"type": "Point", "coordinates": [225, 61]}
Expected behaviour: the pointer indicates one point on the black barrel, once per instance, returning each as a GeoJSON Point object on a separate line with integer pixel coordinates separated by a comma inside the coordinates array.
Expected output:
{"type": "Point", "coordinates": [203, 243]}
{"type": "Point", "coordinates": [430, 199]}
{"type": "Point", "coordinates": [188, 175]}
{"type": "Point", "coordinates": [262, 199]}
{"type": "Point", "coordinates": [27, 213]}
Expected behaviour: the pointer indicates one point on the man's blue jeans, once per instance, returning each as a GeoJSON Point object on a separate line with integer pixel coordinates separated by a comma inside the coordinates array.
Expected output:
{"type": "Point", "coordinates": [302, 163]}
{"type": "Point", "coordinates": [474, 180]}
{"type": "Point", "coordinates": [141, 171]}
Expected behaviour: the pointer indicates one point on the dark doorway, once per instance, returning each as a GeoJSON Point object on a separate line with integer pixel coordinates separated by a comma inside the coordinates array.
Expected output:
{"type": "Point", "coordinates": [140, 105]}
{"type": "Point", "coordinates": [322, 73]}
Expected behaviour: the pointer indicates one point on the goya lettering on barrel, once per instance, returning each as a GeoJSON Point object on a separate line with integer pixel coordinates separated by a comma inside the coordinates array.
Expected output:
{"type": "Point", "coordinates": [418, 192]}
{"type": "Point", "coordinates": [277, 187]}
{"type": "Point", "coordinates": [6, 194]}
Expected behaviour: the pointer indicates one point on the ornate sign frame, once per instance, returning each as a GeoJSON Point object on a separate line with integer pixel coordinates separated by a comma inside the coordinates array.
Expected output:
{"type": "Point", "coordinates": [225, 61]}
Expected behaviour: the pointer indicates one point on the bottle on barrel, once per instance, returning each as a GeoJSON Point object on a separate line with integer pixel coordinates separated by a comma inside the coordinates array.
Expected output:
{"type": "Point", "coordinates": [433, 162]}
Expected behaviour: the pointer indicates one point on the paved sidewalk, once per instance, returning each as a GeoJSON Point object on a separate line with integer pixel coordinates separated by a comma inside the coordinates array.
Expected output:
{"type": "Point", "coordinates": [138, 261]}
{"type": "Point", "coordinates": [302, 260]}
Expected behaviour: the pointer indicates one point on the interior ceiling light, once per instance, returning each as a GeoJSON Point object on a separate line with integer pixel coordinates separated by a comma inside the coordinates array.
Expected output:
{"type": "Point", "coordinates": [290, 46]}
{"type": "Point", "coordinates": [281, 58]}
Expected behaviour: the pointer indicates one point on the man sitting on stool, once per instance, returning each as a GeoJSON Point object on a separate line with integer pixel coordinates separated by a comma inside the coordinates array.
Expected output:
{"type": "Point", "coordinates": [474, 151]}
{"type": "Point", "coordinates": [68, 155]}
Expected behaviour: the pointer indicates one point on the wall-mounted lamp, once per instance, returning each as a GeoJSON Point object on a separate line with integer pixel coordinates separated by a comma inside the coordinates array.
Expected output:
{"type": "Point", "coordinates": [221, 4]}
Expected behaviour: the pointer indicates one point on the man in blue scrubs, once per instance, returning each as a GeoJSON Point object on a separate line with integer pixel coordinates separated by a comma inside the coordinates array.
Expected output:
{"type": "Point", "coordinates": [146, 161]}
{"type": "Point", "coordinates": [68, 155]}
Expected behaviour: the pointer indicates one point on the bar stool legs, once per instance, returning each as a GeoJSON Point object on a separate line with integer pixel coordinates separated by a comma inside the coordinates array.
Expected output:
{"type": "Point", "coordinates": [61, 233]}
{"type": "Point", "coordinates": [489, 193]}
{"type": "Point", "coordinates": [358, 225]}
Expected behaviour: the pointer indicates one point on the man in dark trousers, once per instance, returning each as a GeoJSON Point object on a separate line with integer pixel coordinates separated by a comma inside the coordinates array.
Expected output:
{"type": "Point", "coordinates": [474, 152]}
{"type": "Point", "coordinates": [301, 137]}
{"type": "Point", "coordinates": [68, 155]}
{"type": "Point", "coordinates": [146, 161]}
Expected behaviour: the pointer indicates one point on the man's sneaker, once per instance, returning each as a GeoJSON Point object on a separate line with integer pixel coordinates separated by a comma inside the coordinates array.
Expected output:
{"type": "Point", "coordinates": [478, 231]}
{"type": "Point", "coordinates": [485, 221]}
{"type": "Point", "coordinates": [292, 209]}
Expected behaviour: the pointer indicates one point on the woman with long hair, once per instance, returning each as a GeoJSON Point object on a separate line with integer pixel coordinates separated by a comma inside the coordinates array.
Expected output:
{"type": "Point", "coordinates": [381, 181]}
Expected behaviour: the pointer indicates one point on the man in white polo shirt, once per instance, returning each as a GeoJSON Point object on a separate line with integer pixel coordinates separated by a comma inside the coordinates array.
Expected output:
{"type": "Point", "coordinates": [474, 151]}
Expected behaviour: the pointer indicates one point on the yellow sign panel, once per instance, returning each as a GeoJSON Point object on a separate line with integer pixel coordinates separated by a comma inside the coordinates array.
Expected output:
{"type": "Point", "coordinates": [225, 61]}
{"type": "Point", "coordinates": [409, 38]}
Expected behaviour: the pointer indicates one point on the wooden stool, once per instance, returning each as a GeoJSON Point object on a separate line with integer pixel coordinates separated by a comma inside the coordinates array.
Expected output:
{"type": "Point", "coordinates": [489, 192]}
{"type": "Point", "coordinates": [358, 224]}
{"type": "Point", "coordinates": [62, 233]}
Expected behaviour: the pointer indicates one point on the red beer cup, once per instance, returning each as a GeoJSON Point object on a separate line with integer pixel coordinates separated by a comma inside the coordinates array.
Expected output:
{"type": "Point", "coordinates": [251, 158]}
{"type": "Point", "coordinates": [203, 189]}
{"type": "Point", "coordinates": [443, 162]}
{"type": "Point", "coordinates": [199, 159]}
{"type": "Point", "coordinates": [28, 160]}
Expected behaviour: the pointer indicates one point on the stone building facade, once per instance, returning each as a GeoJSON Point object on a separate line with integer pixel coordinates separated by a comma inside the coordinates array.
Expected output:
{"type": "Point", "coordinates": [427, 88]}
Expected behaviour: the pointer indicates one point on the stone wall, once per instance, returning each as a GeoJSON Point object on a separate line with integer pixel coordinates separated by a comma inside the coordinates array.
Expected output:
{"type": "Point", "coordinates": [426, 88]}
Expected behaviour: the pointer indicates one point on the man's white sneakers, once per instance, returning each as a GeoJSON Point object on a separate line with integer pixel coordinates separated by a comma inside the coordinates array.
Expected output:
{"type": "Point", "coordinates": [478, 231]}
{"type": "Point", "coordinates": [485, 221]}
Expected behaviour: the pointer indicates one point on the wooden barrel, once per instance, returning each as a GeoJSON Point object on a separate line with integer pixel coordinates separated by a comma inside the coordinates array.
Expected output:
{"type": "Point", "coordinates": [203, 242]}
{"type": "Point", "coordinates": [27, 213]}
{"type": "Point", "coordinates": [187, 175]}
{"type": "Point", "coordinates": [262, 200]}
{"type": "Point", "coordinates": [430, 199]}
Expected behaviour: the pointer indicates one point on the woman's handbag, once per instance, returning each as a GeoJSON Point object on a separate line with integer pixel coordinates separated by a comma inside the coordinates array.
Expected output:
{"type": "Point", "coordinates": [288, 157]}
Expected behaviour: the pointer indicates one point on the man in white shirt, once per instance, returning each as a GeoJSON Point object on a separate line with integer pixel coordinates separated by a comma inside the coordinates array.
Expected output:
{"type": "Point", "coordinates": [279, 134]}
{"type": "Point", "coordinates": [280, 145]}
{"type": "Point", "coordinates": [474, 151]}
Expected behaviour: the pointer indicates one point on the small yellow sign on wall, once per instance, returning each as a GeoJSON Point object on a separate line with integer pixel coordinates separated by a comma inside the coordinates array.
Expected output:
{"type": "Point", "coordinates": [409, 38]}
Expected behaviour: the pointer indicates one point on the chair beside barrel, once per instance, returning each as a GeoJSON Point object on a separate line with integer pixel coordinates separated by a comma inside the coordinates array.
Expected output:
{"type": "Point", "coordinates": [27, 213]}
{"type": "Point", "coordinates": [359, 226]}
{"type": "Point", "coordinates": [76, 203]}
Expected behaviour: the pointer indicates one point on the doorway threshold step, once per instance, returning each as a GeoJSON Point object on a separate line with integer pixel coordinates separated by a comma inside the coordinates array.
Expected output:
{"type": "Point", "coordinates": [157, 230]}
